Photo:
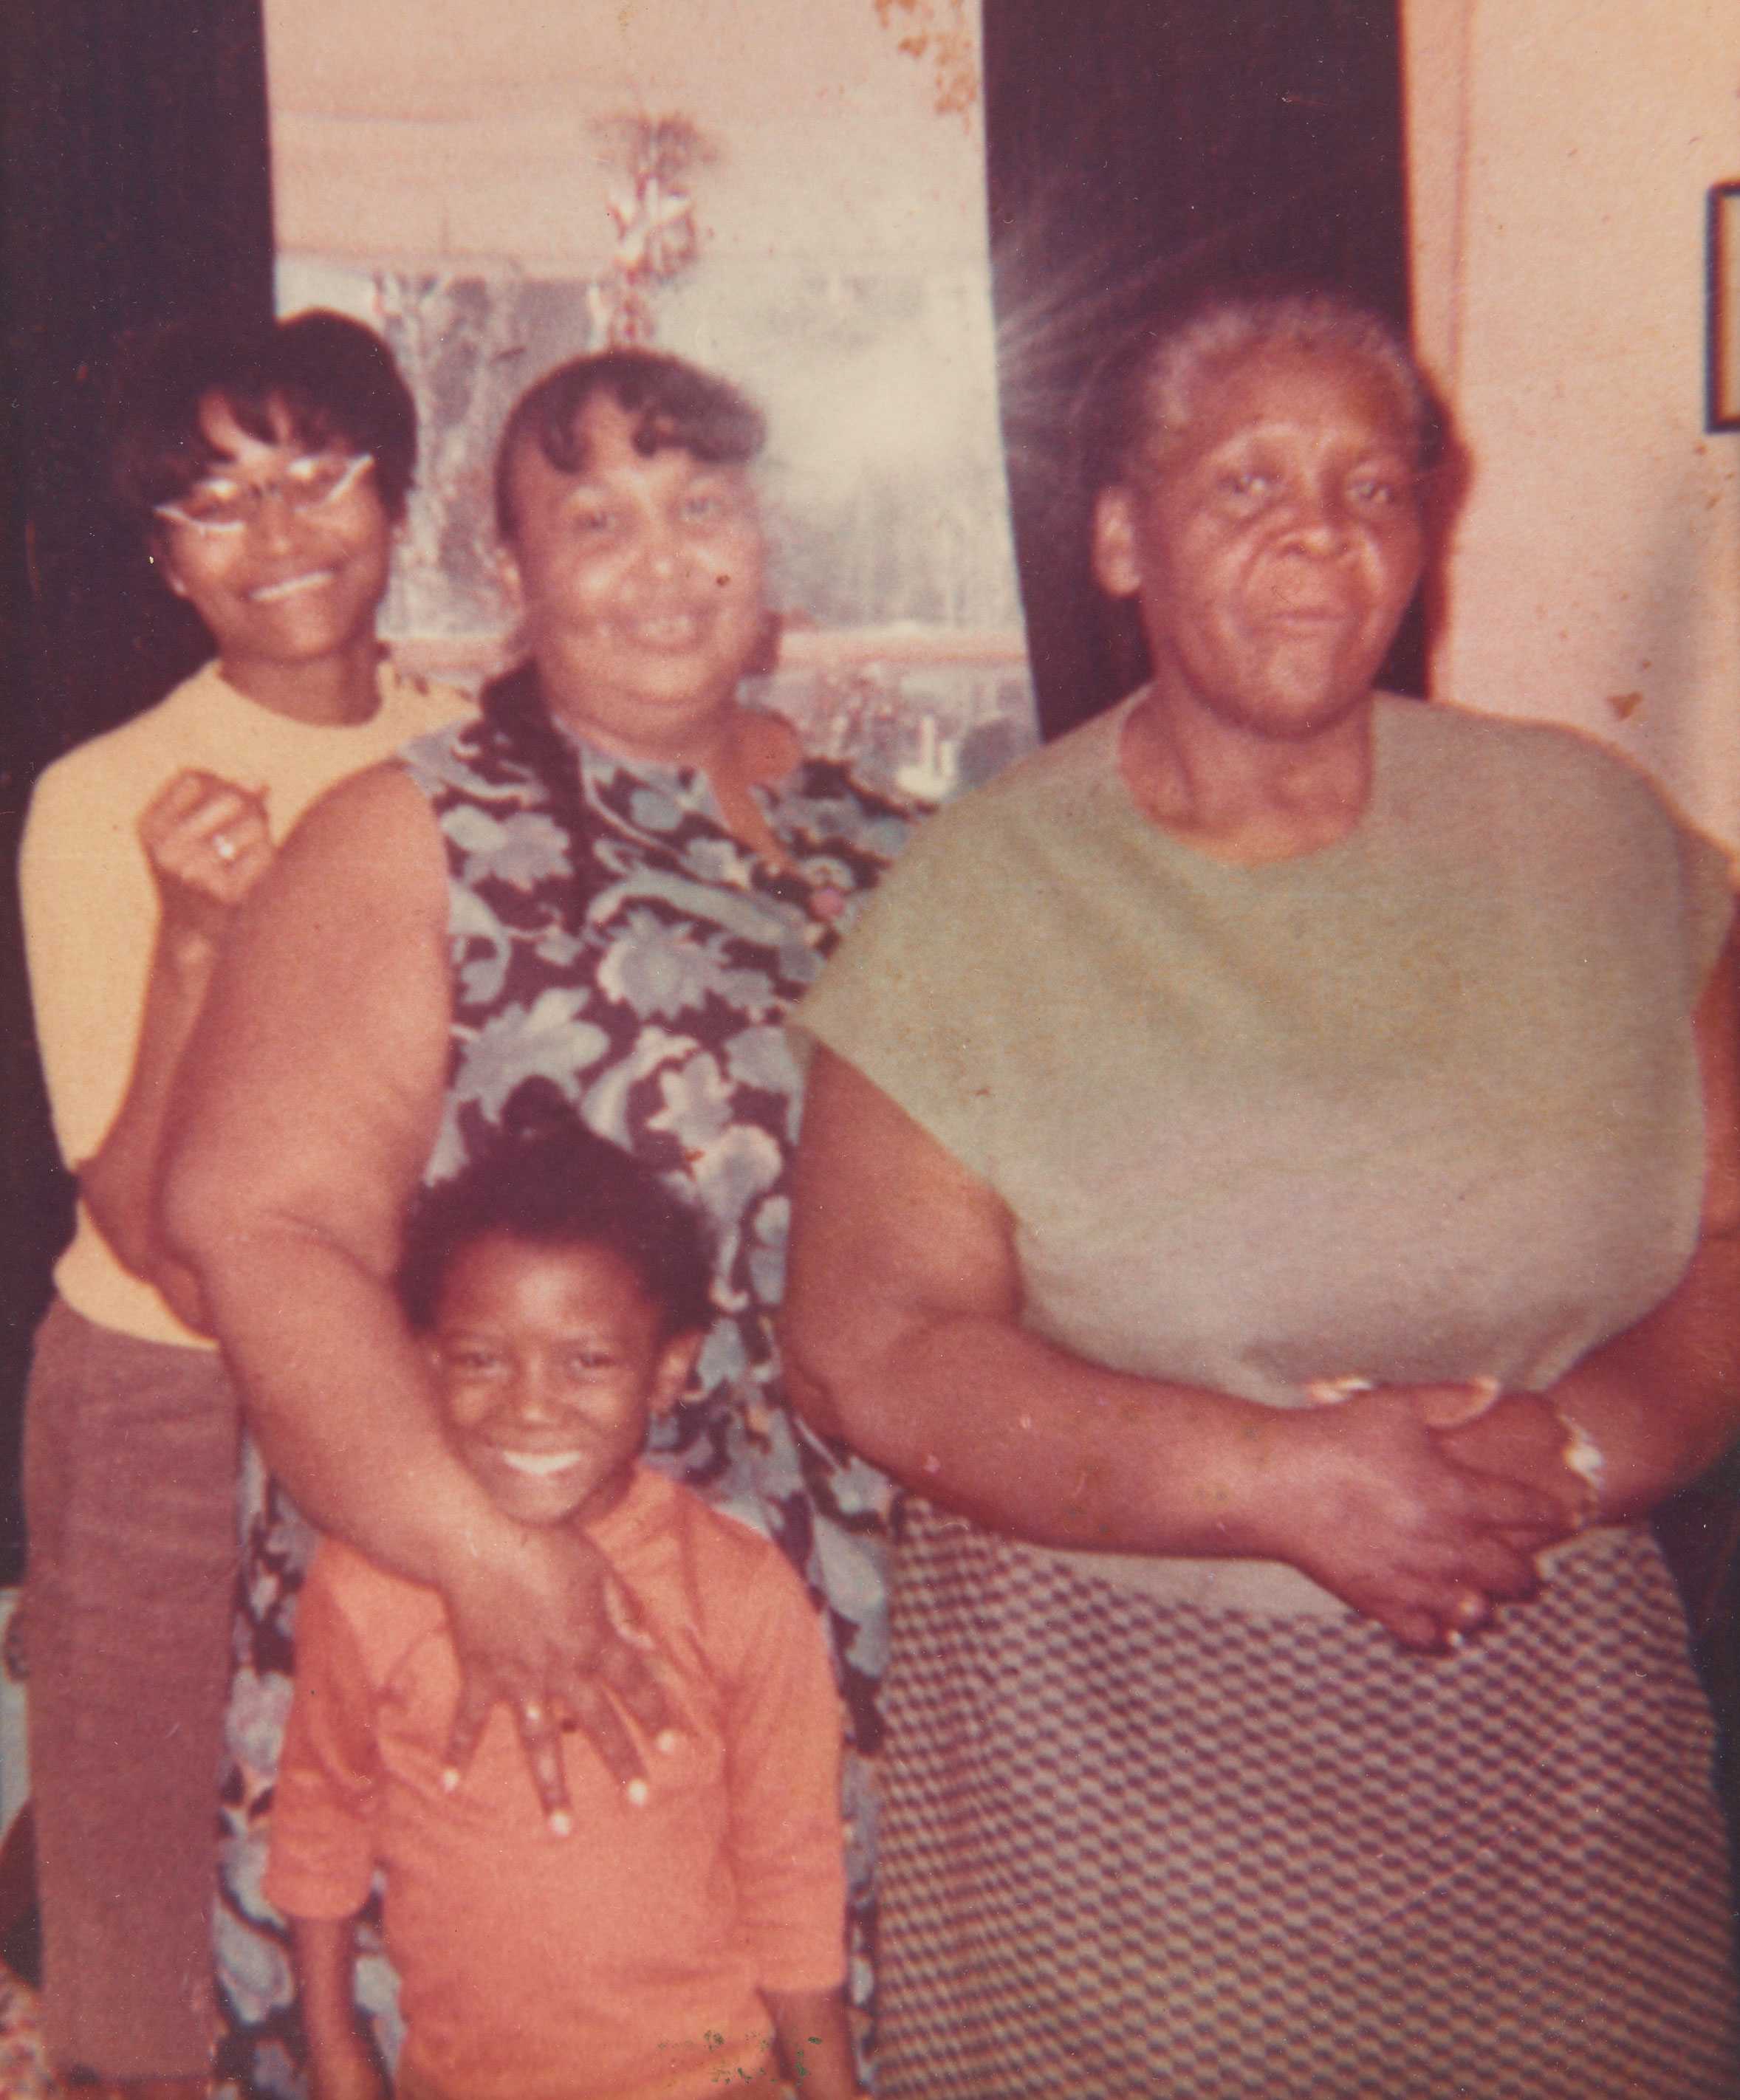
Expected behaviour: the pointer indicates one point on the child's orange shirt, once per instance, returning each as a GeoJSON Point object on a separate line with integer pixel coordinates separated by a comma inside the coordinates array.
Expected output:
{"type": "Point", "coordinates": [626, 1960]}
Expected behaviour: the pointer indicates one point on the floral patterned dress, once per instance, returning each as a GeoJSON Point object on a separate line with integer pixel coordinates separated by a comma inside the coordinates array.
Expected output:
{"type": "Point", "coordinates": [650, 985]}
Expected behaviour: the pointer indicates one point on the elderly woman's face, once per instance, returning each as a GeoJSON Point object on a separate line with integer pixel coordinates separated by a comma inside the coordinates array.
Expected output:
{"type": "Point", "coordinates": [1274, 549]}
{"type": "Point", "coordinates": [639, 580]}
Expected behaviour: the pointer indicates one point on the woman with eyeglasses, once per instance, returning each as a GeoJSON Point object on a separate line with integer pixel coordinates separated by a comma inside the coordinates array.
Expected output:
{"type": "Point", "coordinates": [268, 468]}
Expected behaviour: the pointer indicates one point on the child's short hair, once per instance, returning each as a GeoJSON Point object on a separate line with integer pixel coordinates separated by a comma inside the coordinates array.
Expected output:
{"type": "Point", "coordinates": [552, 1182]}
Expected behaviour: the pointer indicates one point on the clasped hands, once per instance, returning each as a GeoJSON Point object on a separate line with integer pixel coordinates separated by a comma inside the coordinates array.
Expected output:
{"type": "Point", "coordinates": [1424, 1507]}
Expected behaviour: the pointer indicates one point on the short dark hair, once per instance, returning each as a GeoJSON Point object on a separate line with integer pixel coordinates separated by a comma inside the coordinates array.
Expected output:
{"type": "Point", "coordinates": [334, 379]}
{"type": "Point", "coordinates": [1145, 390]}
{"type": "Point", "coordinates": [552, 1183]}
{"type": "Point", "coordinates": [674, 406]}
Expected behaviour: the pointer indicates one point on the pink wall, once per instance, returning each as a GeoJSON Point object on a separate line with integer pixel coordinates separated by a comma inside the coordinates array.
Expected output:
{"type": "Point", "coordinates": [1560, 154]}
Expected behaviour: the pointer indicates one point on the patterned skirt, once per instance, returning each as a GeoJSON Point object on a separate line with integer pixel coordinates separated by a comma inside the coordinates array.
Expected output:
{"type": "Point", "coordinates": [1135, 1847]}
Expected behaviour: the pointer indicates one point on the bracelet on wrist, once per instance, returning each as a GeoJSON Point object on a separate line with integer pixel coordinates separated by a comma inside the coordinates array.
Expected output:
{"type": "Point", "coordinates": [1583, 1456]}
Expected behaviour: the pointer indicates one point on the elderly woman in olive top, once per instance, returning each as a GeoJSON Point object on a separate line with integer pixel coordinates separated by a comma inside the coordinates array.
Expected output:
{"type": "Point", "coordinates": [268, 467]}
{"type": "Point", "coordinates": [1271, 1187]}
{"type": "Point", "coordinates": [614, 883]}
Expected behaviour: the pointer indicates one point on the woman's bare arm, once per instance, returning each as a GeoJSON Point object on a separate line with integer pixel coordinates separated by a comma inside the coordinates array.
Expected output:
{"type": "Point", "coordinates": [307, 1103]}
{"type": "Point", "coordinates": [1661, 1402]}
{"type": "Point", "coordinates": [903, 1335]}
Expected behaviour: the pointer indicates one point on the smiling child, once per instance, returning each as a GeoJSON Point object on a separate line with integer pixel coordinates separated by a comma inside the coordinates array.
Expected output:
{"type": "Point", "coordinates": [689, 1931]}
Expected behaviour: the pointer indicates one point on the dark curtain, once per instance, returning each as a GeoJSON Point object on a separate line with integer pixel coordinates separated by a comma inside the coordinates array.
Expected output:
{"type": "Point", "coordinates": [1135, 143]}
{"type": "Point", "coordinates": [136, 187]}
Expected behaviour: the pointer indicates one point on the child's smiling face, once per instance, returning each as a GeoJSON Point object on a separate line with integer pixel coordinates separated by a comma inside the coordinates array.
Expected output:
{"type": "Point", "coordinates": [549, 1359]}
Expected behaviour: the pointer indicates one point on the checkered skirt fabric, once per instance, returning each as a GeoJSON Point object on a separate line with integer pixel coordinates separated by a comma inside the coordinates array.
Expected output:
{"type": "Point", "coordinates": [1135, 1847]}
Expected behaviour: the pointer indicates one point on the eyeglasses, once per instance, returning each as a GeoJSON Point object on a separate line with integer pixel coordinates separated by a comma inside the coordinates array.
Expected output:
{"type": "Point", "coordinates": [221, 503]}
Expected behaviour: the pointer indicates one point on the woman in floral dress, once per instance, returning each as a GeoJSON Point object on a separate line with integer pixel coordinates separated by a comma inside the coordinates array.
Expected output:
{"type": "Point", "coordinates": [615, 883]}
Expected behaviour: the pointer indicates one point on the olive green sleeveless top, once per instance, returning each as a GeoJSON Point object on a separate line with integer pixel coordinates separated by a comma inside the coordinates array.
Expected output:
{"type": "Point", "coordinates": [1422, 1105]}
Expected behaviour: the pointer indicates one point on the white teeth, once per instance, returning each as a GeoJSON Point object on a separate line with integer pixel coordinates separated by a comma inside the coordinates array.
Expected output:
{"type": "Point", "coordinates": [269, 593]}
{"type": "Point", "coordinates": [541, 1465]}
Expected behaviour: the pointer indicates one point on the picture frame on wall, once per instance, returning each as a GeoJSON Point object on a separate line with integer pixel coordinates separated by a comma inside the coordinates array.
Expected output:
{"type": "Point", "coordinates": [1722, 265]}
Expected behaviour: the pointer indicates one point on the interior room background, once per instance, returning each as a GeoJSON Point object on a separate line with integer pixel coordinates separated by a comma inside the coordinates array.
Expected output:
{"type": "Point", "coordinates": [877, 214]}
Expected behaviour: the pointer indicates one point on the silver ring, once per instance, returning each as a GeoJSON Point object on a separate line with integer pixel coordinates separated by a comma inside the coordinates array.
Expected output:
{"type": "Point", "coordinates": [223, 846]}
